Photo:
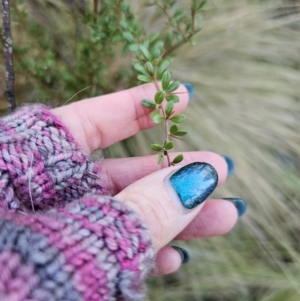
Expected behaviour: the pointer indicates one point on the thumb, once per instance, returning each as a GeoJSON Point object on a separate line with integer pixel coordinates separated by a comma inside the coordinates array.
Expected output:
{"type": "Point", "coordinates": [169, 199]}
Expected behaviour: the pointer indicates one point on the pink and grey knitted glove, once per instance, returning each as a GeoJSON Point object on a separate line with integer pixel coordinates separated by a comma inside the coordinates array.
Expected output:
{"type": "Point", "coordinates": [89, 247]}
{"type": "Point", "coordinates": [93, 249]}
{"type": "Point", "coordinates": [41, 165]}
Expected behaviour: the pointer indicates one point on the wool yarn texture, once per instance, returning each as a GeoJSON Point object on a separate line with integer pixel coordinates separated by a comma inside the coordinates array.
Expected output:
{"type": "Point", "coordinates": [61, 237]}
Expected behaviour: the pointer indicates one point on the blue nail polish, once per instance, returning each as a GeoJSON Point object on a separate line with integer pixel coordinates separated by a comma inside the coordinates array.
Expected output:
{"type": "Point", "coordinates": [193, 183]}
{"type": "Point", "coordinates": [240, 205]}
{"type": "Point", "coordinates": [185, 256]}
{"type": "Point", "coordinates": [230, 165]}
{"type": "Point", "coordinates": [191, 90]}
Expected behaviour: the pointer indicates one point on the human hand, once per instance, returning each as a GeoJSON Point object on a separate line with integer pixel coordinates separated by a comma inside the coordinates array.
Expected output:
{"type": "Point", "coordinates": [140, 182]}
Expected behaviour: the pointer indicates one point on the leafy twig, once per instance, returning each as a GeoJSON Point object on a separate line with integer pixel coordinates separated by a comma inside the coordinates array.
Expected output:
{"type": "Point", "coordinates": [171, 20]}
{"type": "Point", "coordinates": [152, 66]}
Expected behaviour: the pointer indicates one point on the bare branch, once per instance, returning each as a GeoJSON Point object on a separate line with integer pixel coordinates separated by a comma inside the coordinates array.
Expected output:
{"type": "Point", "coordinates": [8, 54]}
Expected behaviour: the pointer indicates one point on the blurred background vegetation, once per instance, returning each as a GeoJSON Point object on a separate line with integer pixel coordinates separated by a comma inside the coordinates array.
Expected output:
{"type": "Point", "coordinates": [245, 67]}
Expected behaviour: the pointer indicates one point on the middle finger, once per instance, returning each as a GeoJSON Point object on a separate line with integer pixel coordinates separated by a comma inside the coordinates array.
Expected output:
{"type": "Point", "coordinates": [117, 174]}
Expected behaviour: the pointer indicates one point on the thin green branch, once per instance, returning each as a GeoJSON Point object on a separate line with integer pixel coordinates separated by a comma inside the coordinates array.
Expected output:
{"type": "Point", "coordinates": [175, 47]}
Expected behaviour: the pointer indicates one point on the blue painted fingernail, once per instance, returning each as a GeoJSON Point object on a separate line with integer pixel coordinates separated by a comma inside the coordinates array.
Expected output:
{"type": "Point", "coordinates": [230, 165]}
{"type": "Point", "coordinates": [191, 90]}
{"type": "Point", "coordinates": [193, 183]}
{"type": "Point", "coordinates": [240, 205]}
{"type": "Point", "coordinates": [185, 256]}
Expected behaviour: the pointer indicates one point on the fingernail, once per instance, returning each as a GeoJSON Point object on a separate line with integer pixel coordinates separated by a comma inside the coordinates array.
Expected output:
{"type": "Point", "coordinates": [230, 165]}
{"type": "Point", "coordinates": [191, 90]}
{"type": "Point", "coordinates": [240, 205]}
{"type": "Point", "coordinates": [193, 183]}
{"type": "Point", "coordinates": [185, 256]}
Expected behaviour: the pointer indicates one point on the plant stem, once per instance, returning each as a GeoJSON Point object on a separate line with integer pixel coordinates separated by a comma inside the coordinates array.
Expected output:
{"type": "Point", "coordinates": [194, 21]}
{"type": "Point", "coordinates": [170, 19]}
{"type": "Point", "coordinates": [166, 153]}
{"type": "Point", "coordinates": [185, 39]}
{"type": "Point", "coordinates": [178, 45]}
{"type": "Point", "coordinates": [10, 94]}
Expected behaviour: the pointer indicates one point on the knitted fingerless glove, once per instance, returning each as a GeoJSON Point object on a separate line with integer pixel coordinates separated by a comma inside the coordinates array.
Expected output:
{"type": "Point", "coordinates": [41, 165]}
{"type": "Point", "coordinates": [89, 249]}
{"type": "Point", "coordinates": [93, 249]}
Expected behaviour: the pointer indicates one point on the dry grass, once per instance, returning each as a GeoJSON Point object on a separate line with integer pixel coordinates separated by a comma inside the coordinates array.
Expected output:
{"type": "Point", "coordinates": [246, 72]}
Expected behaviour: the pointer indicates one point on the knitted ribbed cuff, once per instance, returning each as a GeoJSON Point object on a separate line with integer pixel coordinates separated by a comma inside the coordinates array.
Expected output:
{"type": "Point", "coordinates": [94, 249]}
{"type": "Point", "coordinates": [41, 165]}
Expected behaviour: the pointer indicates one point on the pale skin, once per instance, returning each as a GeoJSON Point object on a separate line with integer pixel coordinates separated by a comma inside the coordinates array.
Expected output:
{"type": "Point", "coordinates": [99, 122]}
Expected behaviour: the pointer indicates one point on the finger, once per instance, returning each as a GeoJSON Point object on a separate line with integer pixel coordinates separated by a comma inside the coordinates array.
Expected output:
{"type": "Point", "coordinates": [217, 217]}
{"type": "Point", "coordinates": [101, 121]}
{"type": "Point", "coordinates": [169, 260]}
{"type": "Point", "coordinates": [120, 173]}
{"type": "Point", "coordinates": [169, 199]}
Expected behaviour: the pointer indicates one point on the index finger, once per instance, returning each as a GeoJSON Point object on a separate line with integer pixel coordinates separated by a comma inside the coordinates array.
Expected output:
{"type": "Point", "coordinates": [99, 122]}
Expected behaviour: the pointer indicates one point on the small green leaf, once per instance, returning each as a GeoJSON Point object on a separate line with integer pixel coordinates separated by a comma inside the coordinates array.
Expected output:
{"type": "Point", "coordinates": [178, 118]}
{"type": "Point", "coordinates": [172, 97]}
{"type": "Point", "coordinates": [146, 44]}
{"type": "Point", "coordinates": [148, 104]}
{"type": "Point", "coordinates": [169, 145]}
{"type": "Point", "coordinates": [157, 147]}
{"type": "Point", "coordinates": [158, 45]}
{"type": "Point", "coordinates": [155, 54]}
{"type": "Point", "coordinates": [169, 38]}
{"type": "Point", "coordinates": [180, 133]}
{"type": "Point", "coordinates": [160, 159]}
{"type": "Point", "coordinates": [170, 3]}
{"type": "Point", "coordinates": [128, 37]}
{"type": "Point", "coordinates": [140, 68]}
{"type": "Point", "coordinates": [162, 68]}
{"type": "Point", "coordinates": [134, 47]}
{"type": "Point", "coordinates": [150, 67]}
{"type": "Point", "coordinates": [140, 56]}
{"type": "Point", "coordinates": [153, 113]}
{"type": "Point", "coordinates": [156, 117]}
{"type": "Point", "coordinates": [123, 24]}
{"type": "Point", "coordinates": [159, 97]}
{"type": "Point", "coordinates": [144, 78]}
{"type": "Point", "coordinates": [173, 86]}
{"type": "Point", "coordinates": [201, 5]}
{"type": "Point", "coordinates": [177, 159]}
{"type": "Point", "coordinates": [174, 129]}
{"type": "Point", "coordinates": [179, 37]}
{"type": "Point", "coordinates": [145, 52]}
{"type": "Point", "coordinates": [178, 14]}
{"type": "Point", "coordinates": [153, 37]}
{"type": "Point", "coordinates": [169, 108]}
{"type": "Point", "coordinates": [166, 80]}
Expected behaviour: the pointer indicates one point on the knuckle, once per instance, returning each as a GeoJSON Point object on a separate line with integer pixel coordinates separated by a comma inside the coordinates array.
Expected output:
{"type": "Point", "coordinates": [152, 213]}
{"type": "Point", "coordinates": [92, 135]}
